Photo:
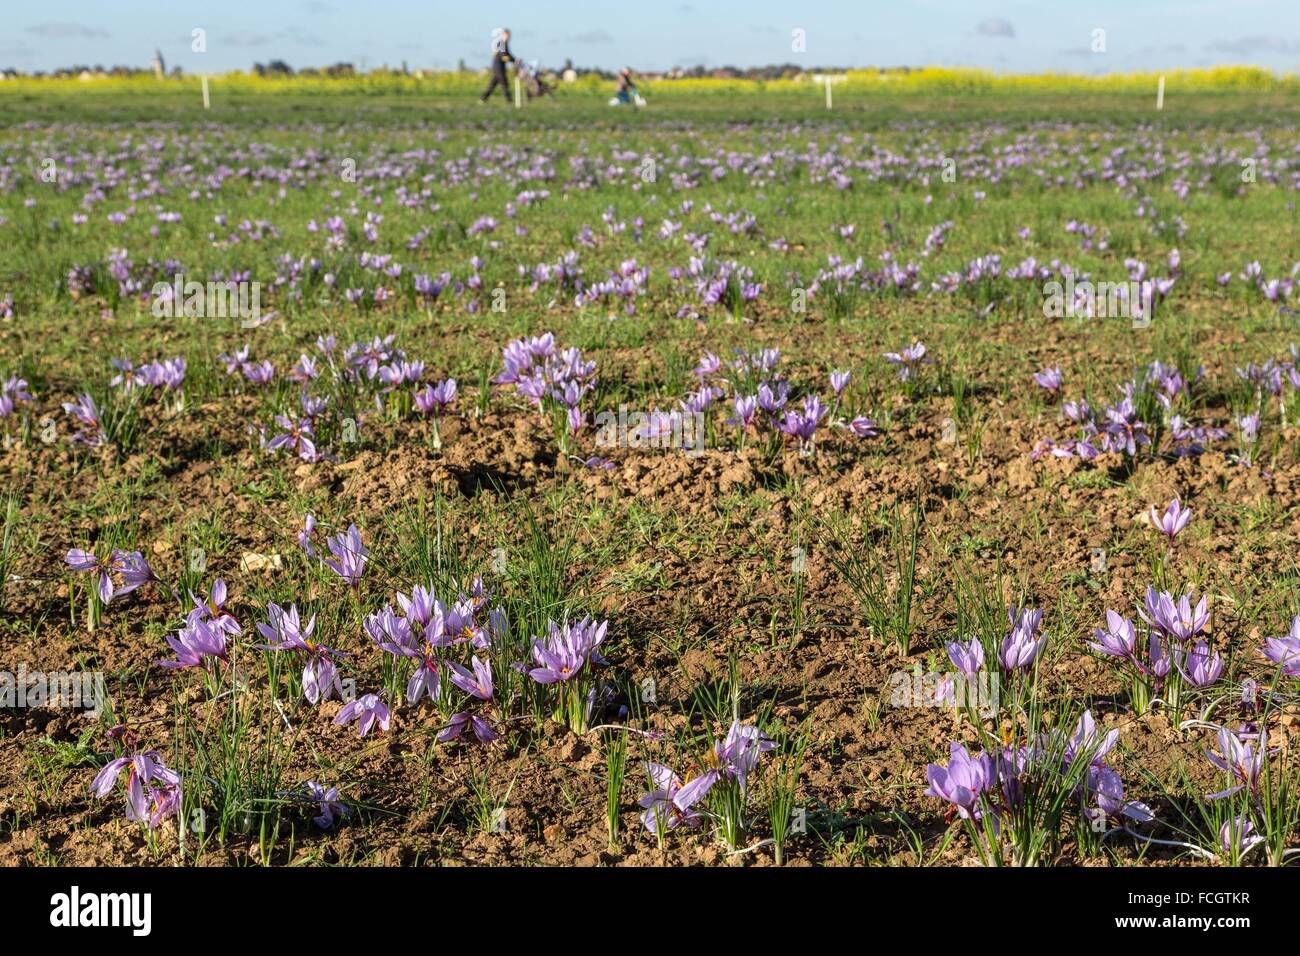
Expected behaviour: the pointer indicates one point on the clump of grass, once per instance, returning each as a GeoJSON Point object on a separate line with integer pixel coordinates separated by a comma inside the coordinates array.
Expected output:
{"type": "Point", "coordinates": [883, 586]}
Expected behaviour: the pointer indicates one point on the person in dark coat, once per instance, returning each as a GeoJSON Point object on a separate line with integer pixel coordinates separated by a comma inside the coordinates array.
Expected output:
{"type": "Point", "coordinates": [501, 58]}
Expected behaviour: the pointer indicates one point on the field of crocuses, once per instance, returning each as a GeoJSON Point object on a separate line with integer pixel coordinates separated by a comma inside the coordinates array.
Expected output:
{"type": "Point", "coordinates": [737, 483]}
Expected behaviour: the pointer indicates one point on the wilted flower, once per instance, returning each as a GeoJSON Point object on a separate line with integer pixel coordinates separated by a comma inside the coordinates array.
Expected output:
{"type": "Point", "coordinates": [328, 802]}
{"type": "Point", "coordinates": [367, 711]}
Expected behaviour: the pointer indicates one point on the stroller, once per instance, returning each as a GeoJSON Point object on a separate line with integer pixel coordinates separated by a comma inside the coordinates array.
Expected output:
{"type": "Point", "coordinates": [534, 85]}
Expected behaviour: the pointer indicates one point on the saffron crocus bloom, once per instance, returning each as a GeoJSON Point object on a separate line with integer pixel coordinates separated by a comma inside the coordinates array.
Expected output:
{"type": "Point", "coordinates": [152, 790]}
{"type": "Point", "coordinates": [307, 535]}
{"type": "Point", "coordinates": [1050, 380]}
{"type": "Point", "coordinates": [907, 360]}
{"type": "Point", "coordinates": [196, 643]}
{"type": "Point", "coordinates": [1021, 647]}
{"type": "Point", "coordinates": [736, 756]}
{"type": "Point", "coordinates": [1240, 759]}
{"type": "Point", "coordinates": [320, 676]}
{"type": "Point", "coordinates": [367, 711]}
{"type": "Point", "coordinates": [1238, 836]}
{"type": "Point", "coordinates": [350, 556]}
{"type": "Point", "coordinates": [132, 569]}
{"type": "Point", "coordinates": [328, 802]}
{"type": "Point", "coordinates": [1285, 650]}
{"type": "Point", "coordinates": [434, 399]}
{"type": "Point", "coordinates": [479, 686]}
{"type": "Point", "coordinates": [864, 427]}
{"type": "Point", "coordinates": [564, 652]}
{"type": "Point", "coordinates": [746, 407]}
{"type": "Point", "coordinates": [669, 804]}
{"type": "Point", "coordinates": [1178, 619]}
{"type": "Point", "coordinates": [1203, 668]}
{"type": "Point", "coordinates": [1117, 639]}
{"type": "Point", "coordinates": [967, 658]}
{"type": "Point", "coordinates": [1086, 740]}
{"type": "Point", "coordinates": [212, 610]}
{"type": "Point", "coordinates": [80, 560]}
{"type": "Point", "coordinates": [1105, 785]}
{"type": "Point", "coordinates": [962, 781]}
{"type": "Point", "coordinates": [1173, 521]}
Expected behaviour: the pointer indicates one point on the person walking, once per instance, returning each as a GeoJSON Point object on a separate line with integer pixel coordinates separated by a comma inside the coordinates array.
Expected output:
{"type": "Point", "coordinates": [501, 58]}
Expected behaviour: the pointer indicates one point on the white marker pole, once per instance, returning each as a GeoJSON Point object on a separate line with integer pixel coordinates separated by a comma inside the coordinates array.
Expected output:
{"type": "Point", "coordinates": [207, 103]}
{"type": "Point", "coordinates": [828, 92]}
{"type": "Point", "coordinates": [519, 102]}
{"type": "Point", "coordinates": [1160, 94]}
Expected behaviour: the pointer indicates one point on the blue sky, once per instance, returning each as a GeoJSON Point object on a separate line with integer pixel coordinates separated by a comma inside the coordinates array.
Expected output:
{"type": "Point", "coordinates": [1003, 35]}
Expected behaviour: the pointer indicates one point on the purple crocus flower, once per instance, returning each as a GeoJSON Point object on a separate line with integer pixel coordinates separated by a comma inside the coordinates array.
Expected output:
{"type": "Point", "coordinates": [307, 535]}
{"type": "Point", "coordinates": [1105, 785]}
{"type": "Point", "coordinates": [1050, 380]}
{"type": "Point", "coordinates": [962, 781]}
{"type": "Point", "coordinates": [367, 711]}
{"type": "Point", "coordinates": [967, 658]}
{"type": "Point", "coordinates": [350, 556]}
{"type": "Point", "coordinates": [152, 790]}
{"type": "Point", "coordinates": [1240, 759]}
{"type": "Point", "coordinates": [1117, 639]}
{"type": "Point", "coordinates": [434, 399]}
{"type": "Point", "coordinates": [81, 560]}
{"type": "Point", "coordinates": [864, 427]}
{"type": "Point", "coordinates": [212, 610]}
{"type": "Point", "coordinates": [1285, 650]}
{"type": "Point", "coordinates": [1173, 521]}
{"type": "Point", "coordinates": [479, 686]}
{"type": "Point", "coordinates": [132, 569]}
{"type": "Point", "coordinates": [1178, 619]}
{"type": "Point", "coordinates": [1203, 668]}
{"type": "Point", "coordinates": [298, 436]}
{"type": "Point", "coordinates": [1021, 647]}
{"type": "Point", "coordinates": [320, 678]}
{"type": "Point", "coordinates": [328, 802]}
{"type": "Point", "coordinates": [907, 360]}
{"type": "Point", "coordinates": [1087, 740]}
{"type": "Point", "coordinates": [1238, 835]}
{"type": "Point", "coordinates": [195, 644]}
{"type": "Point", "coordinates": [746, 407]}
{"type": "Point", "coordinates": [564, 652]}
{"type": "Point", "coordinates": [669, 804]}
